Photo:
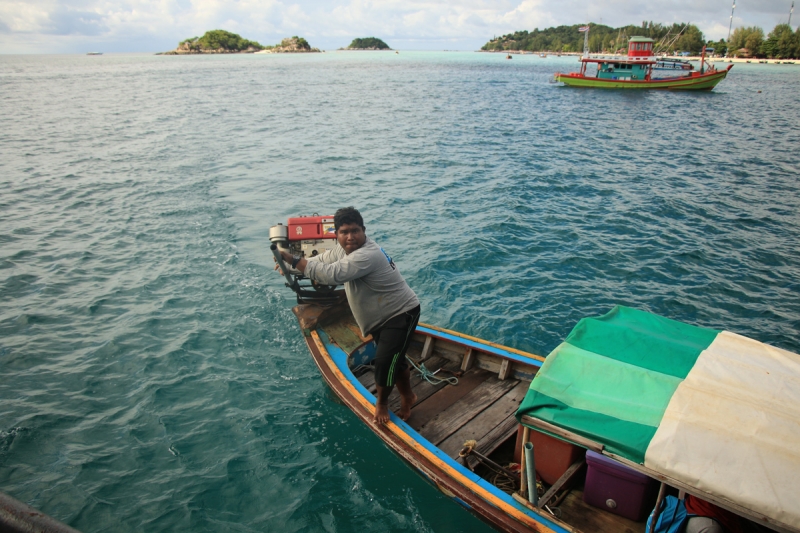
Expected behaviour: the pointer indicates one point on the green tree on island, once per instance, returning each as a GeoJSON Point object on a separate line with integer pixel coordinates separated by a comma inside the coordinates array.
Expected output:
{"type": "Point", "coordinates": [691, 40]}
{"type": "Point", "coordinates": [220, 40]}
{"type": "Point", "coordinates": [293, 44]}
{"type": "Point", "coordinates": [746, 41]}
{"type": "Point", "coordinates": [782, 43]}
{"type": "Point", "coordinates": [720, 47]}
{"type": "Point", "coordinates": [372, 43]}
{"type": "Point", "coordinates": [299, 42]}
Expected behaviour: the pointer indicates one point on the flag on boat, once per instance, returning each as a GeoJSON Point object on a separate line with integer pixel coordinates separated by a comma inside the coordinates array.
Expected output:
{"type": "Point", "coordinates": [583, 28]}
{"type": "Point", "coordinates": [712, 409]}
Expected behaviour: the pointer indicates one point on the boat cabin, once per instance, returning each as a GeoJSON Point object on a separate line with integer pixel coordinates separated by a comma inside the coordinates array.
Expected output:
{"type": "Point", "coordinates": [613, 70]}
{"type": "Point", "coordinates": [636, 66]}
{"type": "Point", "coordinates": [640, 48]}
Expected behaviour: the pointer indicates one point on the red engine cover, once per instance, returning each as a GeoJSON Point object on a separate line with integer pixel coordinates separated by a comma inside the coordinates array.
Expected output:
{"type": "Point", "coordinates": [307, 228]}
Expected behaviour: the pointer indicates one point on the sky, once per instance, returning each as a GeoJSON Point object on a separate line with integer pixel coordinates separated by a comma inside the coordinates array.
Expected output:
{"type": "Point", "coordinates": [80, 26]}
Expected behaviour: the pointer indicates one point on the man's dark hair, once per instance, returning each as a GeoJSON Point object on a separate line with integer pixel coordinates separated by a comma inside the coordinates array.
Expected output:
{"type": "Point", "coordinates": [347, 215]}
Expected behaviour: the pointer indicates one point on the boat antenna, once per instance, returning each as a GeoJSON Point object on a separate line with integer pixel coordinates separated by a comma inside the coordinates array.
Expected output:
{"type": "Point", "coordinates": [728, 42]}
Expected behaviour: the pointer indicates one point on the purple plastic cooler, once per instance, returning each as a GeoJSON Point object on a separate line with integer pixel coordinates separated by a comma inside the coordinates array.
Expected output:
{"type": "Point", "coordinates": [617, 488]}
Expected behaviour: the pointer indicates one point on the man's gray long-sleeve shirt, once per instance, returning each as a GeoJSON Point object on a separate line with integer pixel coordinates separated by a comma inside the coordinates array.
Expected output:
{"type": "Point", "coordinates": [374, 287]}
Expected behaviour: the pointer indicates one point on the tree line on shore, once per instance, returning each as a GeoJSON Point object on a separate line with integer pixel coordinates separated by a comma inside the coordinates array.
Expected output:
{"type": "Point", "coordinates": [781, 43]}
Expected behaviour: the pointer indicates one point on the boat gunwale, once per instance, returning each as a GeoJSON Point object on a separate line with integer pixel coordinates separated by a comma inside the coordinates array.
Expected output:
{"type": "Point", "coordinates": [491, 348]}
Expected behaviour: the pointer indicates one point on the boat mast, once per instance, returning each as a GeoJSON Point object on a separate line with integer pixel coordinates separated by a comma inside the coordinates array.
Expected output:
{"type": "Point", "coordinates": [790, 15]}
{"type": "Point", "coordinates": [728, 42]}
{"type": "Point", "coordinates": [703, 60]}
{"type": "Point", "coordinates": [674, 40]}
{"type": "Point", "coordinates": [585, 30]}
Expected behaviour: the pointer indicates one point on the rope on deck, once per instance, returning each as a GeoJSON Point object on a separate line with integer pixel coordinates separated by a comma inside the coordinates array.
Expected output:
{"type": "Point", "coordinates": [431, 377]}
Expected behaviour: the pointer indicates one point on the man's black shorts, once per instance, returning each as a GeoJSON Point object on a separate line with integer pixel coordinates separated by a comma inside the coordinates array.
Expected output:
{"type": "Point", "coordinates": [392, 340]}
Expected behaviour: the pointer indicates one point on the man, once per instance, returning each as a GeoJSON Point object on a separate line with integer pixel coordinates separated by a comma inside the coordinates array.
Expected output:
{"type": "Point", "coordinates": [382, 303]}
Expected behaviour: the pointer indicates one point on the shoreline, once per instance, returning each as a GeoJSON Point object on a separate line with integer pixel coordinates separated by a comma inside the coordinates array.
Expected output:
{"type": "Point", "coordinates": [753, 61]}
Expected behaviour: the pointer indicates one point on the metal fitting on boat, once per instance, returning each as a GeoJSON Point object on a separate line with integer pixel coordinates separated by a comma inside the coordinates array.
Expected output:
{"type": "Point", "coordinates": [279, 234]}
{"type": "Point", "coordinates": [530, 472]}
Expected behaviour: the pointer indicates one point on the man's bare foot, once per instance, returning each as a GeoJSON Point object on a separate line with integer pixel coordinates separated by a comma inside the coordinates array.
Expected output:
{"type": "Point", "coordinates": [406, 403]}
{"type": "Point", "coordinates": [381, 413]}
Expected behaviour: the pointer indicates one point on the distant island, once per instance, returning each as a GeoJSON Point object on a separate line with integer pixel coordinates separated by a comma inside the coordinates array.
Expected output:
{"type": "Point", "coordinates": [367, 43]}
{"type": "Point", "coordinates": [225, 42]}
{"type": "Point", "coordinates": [676, 39]}
{"type": "Point", "coordinates": [290, 45]}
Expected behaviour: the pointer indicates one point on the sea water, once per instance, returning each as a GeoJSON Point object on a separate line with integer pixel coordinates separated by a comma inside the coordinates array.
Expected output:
{"type": "Point", "coordinates": [153, 376]}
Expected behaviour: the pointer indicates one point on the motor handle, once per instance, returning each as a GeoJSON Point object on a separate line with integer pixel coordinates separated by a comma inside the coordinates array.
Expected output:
{"type": "Point", "coordinates": [281, 264]}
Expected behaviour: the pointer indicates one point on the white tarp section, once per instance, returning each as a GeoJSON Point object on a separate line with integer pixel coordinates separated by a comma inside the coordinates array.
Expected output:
{"type": "Point", "coordinates": [732, 428]}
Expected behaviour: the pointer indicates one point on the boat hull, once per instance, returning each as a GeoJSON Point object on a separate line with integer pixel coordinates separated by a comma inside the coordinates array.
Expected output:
{"type": "Point", "coordinates": [702, 82]}
{"type": "Point", "coordinates": [452, 479]}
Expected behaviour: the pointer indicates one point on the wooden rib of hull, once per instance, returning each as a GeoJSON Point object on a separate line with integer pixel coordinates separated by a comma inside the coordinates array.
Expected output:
{"type": "Point", "coordinates": [500, 511]}
{"type": "Point", "coordinates": [705, 82]}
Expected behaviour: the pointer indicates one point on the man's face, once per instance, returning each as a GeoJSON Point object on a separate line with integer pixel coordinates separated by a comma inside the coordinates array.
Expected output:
{"type": "Point", "coordinates": [351, 237]}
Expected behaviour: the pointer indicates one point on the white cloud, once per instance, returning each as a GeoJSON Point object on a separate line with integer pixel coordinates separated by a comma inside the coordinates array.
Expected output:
{"type": "Point", "coordinates": [157, 25]}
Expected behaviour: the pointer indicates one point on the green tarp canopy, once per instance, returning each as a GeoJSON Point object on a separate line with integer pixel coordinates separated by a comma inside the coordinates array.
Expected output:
{"type": "Point", "coordinates": [709, 408]}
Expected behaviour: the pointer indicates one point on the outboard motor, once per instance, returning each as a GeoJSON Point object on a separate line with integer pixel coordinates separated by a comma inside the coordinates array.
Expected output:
{"type": "Point", "coordinates": [306, 237]}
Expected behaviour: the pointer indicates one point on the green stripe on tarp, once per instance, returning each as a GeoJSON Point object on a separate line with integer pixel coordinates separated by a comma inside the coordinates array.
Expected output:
{"type": "Point", "coordinates": [628, 439]}
{"type": "Point", "coordinates": [588, 381]}
{"type": "Point", "coordinates": [643, 339]}
{"type": "Point", "coordinates": [614, 376]}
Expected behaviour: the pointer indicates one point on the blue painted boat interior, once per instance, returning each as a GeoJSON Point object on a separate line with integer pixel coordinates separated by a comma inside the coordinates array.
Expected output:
{"type": "Point", "coordinates": [340, 358]}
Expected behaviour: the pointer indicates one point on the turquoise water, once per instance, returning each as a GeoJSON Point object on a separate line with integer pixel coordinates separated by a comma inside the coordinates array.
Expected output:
{"type": "Point", "coordinates": [153, 376]}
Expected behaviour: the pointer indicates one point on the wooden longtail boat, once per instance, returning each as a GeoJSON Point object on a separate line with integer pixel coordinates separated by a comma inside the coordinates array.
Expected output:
{"type": "Point", "coordinates": [481, 407]}
{"type": "Point", "coordinates": [638, 69]}
{"type": "Point", "coordinates": [494, 390]}
{"type": "Point", "coordinates": [704, 412]}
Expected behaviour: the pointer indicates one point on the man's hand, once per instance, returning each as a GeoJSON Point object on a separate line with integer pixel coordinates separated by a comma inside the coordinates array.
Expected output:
{"type": "Point", "coordinates": [289, 259]}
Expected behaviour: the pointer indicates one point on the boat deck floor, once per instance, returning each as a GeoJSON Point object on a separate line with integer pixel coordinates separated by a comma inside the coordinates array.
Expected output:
{"type": "Point", "coordinates": [481, 407]}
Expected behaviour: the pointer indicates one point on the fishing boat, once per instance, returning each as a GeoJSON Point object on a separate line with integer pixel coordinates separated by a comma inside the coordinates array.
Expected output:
{"type": "Point", "coordinates": [632, 409]}
{"type": "Point", "coordinates": [640, 69]}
